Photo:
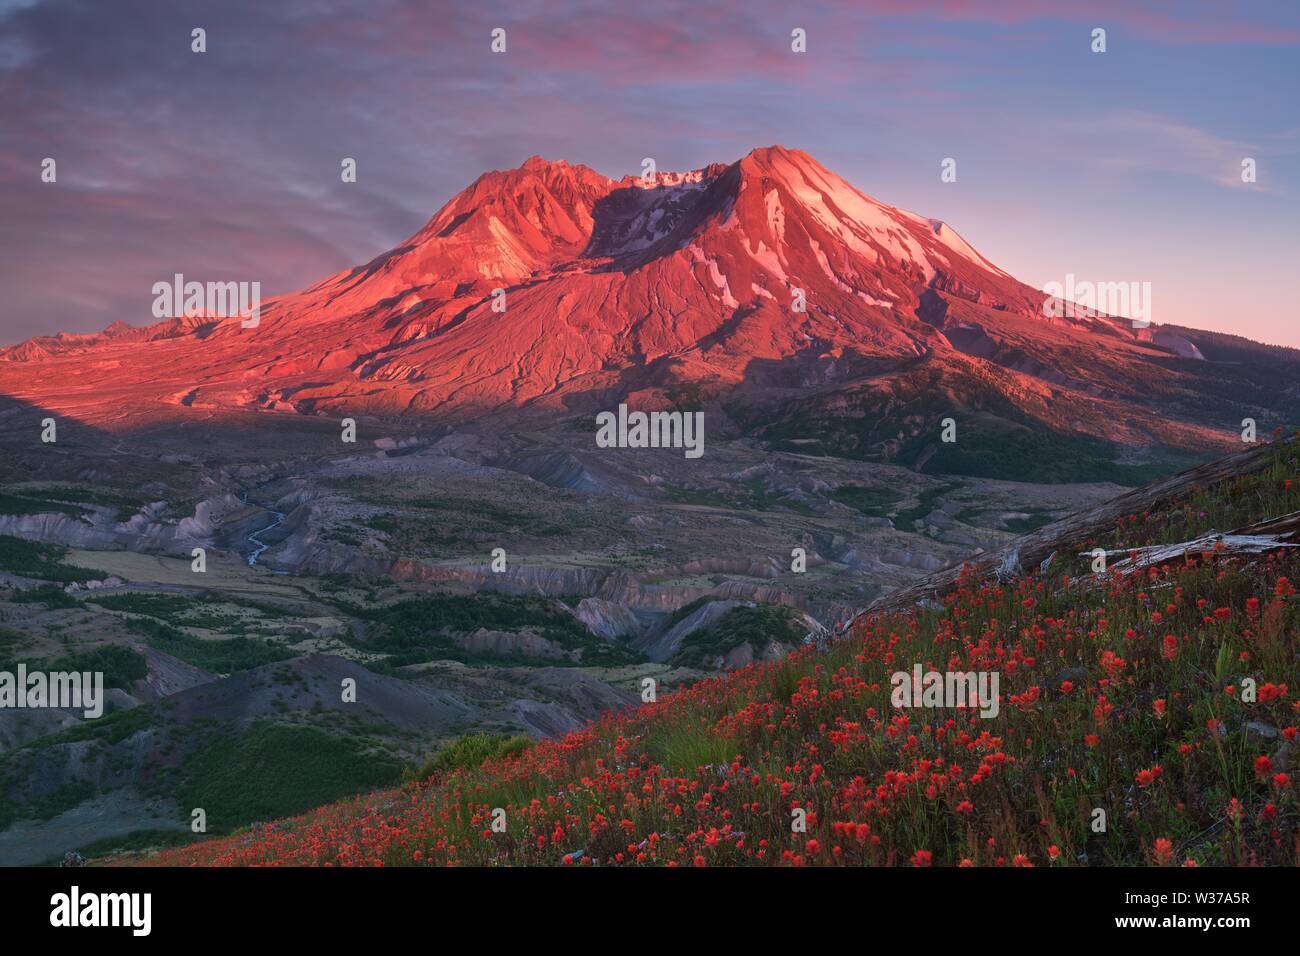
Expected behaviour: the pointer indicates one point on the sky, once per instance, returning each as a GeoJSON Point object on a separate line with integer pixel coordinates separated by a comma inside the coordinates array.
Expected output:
{"type": "Point", "coordinates": [1122, 166]}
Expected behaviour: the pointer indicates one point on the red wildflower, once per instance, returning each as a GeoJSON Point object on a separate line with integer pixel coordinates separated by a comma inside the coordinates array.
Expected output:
{"type": "Point", "coordinates": [1164, 851]}
{"type": "Point", "coordinates": [1147, 777]}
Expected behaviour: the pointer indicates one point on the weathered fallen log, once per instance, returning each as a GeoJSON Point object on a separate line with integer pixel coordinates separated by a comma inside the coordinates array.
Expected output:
{"type": "Point", "coordinates": [1286, 527]}
{"type": "Point", "coordinates": [1234, 542]}
{"type": "Point", "coordinates": [1035, 548]}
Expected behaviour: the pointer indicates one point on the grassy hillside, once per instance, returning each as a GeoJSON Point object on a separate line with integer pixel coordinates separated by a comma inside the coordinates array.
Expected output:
{"type": "Point", "coordinates": [1164, 698]}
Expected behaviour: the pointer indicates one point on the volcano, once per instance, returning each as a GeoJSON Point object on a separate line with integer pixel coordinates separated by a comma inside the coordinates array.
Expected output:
{"type": "Point", "coordinates": [802, 312]}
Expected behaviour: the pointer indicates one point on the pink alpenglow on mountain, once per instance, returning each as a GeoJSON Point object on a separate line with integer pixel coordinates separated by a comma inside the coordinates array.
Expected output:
{"type": "Point", "coordinates": [769, 285]}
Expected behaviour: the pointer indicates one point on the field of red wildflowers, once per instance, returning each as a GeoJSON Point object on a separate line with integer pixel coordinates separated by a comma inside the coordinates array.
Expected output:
{"type": "Point", "coordinates": [1147, 718]}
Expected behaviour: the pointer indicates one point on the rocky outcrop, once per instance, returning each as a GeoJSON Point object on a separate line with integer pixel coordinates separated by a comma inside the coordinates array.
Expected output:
{"type": "Point", "coordinates": [661, 646]}
{"type": "Point", "coordinates": [512, 644]}
{"type": "Point", "coordinates": [753, 568]}
{"type": "Point", "coordinates": [537, 579]}
{"type": "Point", "coordinates": [148, 531]}
{"type": "Point", "coordinates": [167, 675]}
{"type": "Point", "coordinates": [557, 469]}
{"type": "Point", "coordinates": [607, 620]}
{"type": "Point", "coordinates": [542, 719]}
{"type": "Point", "coordinates": [580, 694]}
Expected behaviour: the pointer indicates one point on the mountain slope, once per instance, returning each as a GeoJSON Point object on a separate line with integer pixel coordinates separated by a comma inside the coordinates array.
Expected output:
{"type": "Point", "coordinates": [769, 289]}
{"type": "Point", "coordinates": [1162, 695]}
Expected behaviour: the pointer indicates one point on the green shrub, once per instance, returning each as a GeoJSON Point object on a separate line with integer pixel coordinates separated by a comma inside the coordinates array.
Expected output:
{"type": "Point", "coordinates": [219, 657]}
{"type": "Point", "coordinates": [870, 501]}
{"type": "Point", "coordinates": [120, 666]}
{"type": "Point", "coordinates": [31, 559]}
{"type": "Point", "coordinates": [468, 752]}
{"type": "Point", "coordinates": [420, 629]}
{"type": "Point", "coordinates": [272, 770]}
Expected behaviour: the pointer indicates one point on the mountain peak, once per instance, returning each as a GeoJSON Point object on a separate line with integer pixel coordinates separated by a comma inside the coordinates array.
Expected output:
{"type": "Point", "coordinates": [539, 162]}
{"type": "Point", "coordinates": [776, 156]}
{"type": "Point", "coordinates": [763, 153]}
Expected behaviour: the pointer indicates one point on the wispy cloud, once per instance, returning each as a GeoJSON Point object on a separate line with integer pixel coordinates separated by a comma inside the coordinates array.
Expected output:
{"type": "Point", "coordinates": [1132, 141]}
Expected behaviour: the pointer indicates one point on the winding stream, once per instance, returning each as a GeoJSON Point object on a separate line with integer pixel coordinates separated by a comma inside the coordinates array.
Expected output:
{"type": "Point", "coordinates": [258, 544]}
